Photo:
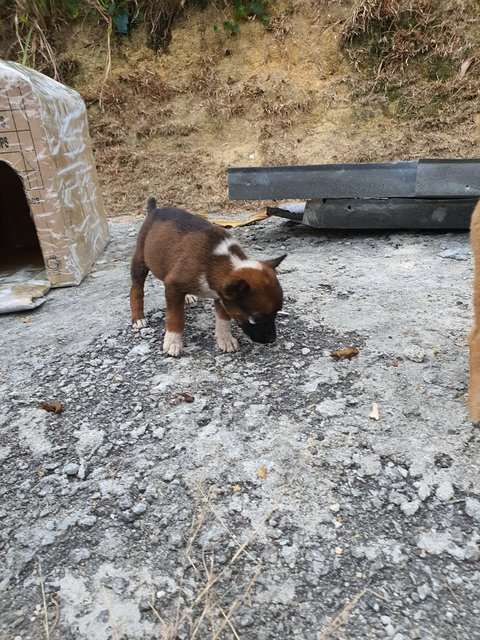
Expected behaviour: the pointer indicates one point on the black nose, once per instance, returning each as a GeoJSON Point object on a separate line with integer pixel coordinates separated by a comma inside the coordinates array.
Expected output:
{"type": "Point", "coordinates": [264, 333]}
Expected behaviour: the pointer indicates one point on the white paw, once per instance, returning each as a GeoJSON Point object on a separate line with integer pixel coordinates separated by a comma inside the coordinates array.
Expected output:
{"type": "Point", "coordinates": [139, 324]}
{"type": "Point", "coordinates": [190, 299]}
{"type": "Point", "coordinates": [223, 336]}
{"type": "Point", "coordinates": [173, 344]}
{"type": "Point", "coordinates": [228, 344]}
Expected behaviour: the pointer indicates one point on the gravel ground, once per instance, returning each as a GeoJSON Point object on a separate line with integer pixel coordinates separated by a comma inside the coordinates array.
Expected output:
{"type": "Point", "coordinates": [249, 495]}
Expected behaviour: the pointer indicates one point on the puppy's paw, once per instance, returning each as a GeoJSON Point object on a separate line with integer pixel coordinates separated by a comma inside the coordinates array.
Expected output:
{"type": "Point", "coordinates": [173, 344]}
{"type": "Point", "coordinates": [190, 299]}
{"type": "Point", "coordinates": [223, 336]}
{"type": "Point", "coordinates": [228, 344]}
{"type": "Point", "coordinates": [141, 323]}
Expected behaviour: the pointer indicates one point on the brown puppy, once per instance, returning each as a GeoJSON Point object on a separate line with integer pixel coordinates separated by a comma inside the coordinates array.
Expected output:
{"type": "Point", "coordinates": [195, 258]}
{"type": "Point", "coordinates": [474, 337]}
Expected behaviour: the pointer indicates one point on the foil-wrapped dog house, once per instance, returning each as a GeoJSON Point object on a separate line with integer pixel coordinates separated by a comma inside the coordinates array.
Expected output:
{"type": "Point", "coordinates": [52, 221]}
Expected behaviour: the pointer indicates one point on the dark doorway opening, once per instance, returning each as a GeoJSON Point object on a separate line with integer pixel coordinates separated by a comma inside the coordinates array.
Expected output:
{"type": "Point", "coordinates": [19, 244]}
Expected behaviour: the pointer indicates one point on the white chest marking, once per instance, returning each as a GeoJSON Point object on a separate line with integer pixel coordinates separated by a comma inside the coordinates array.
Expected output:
{"type": "Point", "coordinates": [204, 290]}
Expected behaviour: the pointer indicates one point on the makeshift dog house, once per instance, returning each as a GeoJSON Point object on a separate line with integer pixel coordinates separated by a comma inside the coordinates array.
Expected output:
{"type": "Point", "coordinates": [52, 221]}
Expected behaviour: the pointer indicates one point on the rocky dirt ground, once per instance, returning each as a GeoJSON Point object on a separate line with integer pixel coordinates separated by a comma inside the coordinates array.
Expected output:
{"type": "Point", "coordinates": [248, 495]}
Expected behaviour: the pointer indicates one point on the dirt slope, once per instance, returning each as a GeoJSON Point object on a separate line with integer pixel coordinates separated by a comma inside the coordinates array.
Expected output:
{"type": "Point", "coordinates": [297, 92]}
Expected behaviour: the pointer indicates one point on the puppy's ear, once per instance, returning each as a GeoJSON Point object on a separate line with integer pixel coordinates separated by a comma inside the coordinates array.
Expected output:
{"type": "Point", "coordinates": [235, 288]}
{"type": "Point", "coordinates": [273, 264]}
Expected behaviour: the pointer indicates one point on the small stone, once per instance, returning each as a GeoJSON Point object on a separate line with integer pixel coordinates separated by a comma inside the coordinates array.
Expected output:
{"type": "Point", "coordinates": [385, 620]}
{"type": "Point", "coordinates": [139, 508]}
{"type": "Point", "coordinates": [168, 476]}
{"type": "Point", "coordinates": [414, 353]}
{"type": "Point", "coordinates": [71, 469]}
{"type": "Point", "coordinates": [453, 254]}
{"type": "Point", "coordinates": [128, 516]}
{"type": "Point", "coordinates": [334, 507]}
{"type": "Point", "coordinates": [424, 491]}
{"type": "Point", "coordinates": [445, 491]}
{"type": "Point", "coordinates": [136, 433]}
{"type": "Point", "coordinates": [305, 351]}
{"type": "Point", "coordinates": [51, 466]}
{"type": "Point", "coordinates": [330, 408]}
{"type": "Point", "coordinates": [159, 433]}
{"type": "Point", "coordinates": [435, 542]}
{"type": "Point", "coordinates": [410, 508]}
{"type": "Point", "coordinates": [125, 503]}
{"type": "Point", "coordinates": [87, 520]}
{"type": "Point", "coordinates": [77, 555]}
{"type": "Point", "coordinates": [245, 621]}
{"type": "Point", "coordinates": [140, 349]}
{"type": "Point", "coordinates": [472, 507]}
{"type": "Point", "coordinates": [423, 591]}
{"type": "Point", "coordinates": [81, 473]}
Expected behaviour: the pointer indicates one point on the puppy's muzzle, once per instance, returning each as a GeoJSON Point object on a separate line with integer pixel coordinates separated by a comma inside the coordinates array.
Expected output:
{"type": "Point", "coordinates": [260, 330]}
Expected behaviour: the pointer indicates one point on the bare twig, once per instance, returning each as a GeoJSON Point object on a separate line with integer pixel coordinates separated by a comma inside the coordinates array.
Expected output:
{"type": "Point", "coordinates": [57, 613]}
{"type": "Point", "coordinates": [44, 602]}
{"type": "Point", "coordinates": [113, 623]}
{"type": "Point", "coordinates": [340, 618]}
{"type": "Point", "coordinates": [236, 603]}
{"type": "Point", "coordinates": [222, 522]}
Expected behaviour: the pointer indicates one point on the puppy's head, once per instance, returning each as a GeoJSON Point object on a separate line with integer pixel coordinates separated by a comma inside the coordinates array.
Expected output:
{"type": "Point", "coordinates": [252, 297]}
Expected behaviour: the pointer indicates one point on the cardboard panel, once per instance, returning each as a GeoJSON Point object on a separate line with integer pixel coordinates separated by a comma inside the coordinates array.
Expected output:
{"type": "Point", "coordinates": [44, 137]}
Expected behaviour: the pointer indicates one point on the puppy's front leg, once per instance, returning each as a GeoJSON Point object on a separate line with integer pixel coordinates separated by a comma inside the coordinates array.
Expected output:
{"type": "Point", "coordinates": [174, 322]}
{"type": "Point", "coordinates": [223, 335]}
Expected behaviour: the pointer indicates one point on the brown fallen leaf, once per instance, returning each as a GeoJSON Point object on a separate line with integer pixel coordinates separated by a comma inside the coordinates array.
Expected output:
{"type": "Point", "coordinates": [54, 407]}
{"type": "Point", "coordinates": [236, 488]}
{"type": "Point", "coordinates": [255, 217]}
{"type": "Point", "coordinates": [349, 352]}
{"type": "Point", "coordinates": [186, 396]}
{"type": "Point", "coordinates": [262, 472]}
{"type": "Point", "coordinates": [26, 320]}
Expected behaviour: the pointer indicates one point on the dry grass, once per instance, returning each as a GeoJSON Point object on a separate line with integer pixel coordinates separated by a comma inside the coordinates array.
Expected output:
{"type": "Point", "coordinates": [341, 619]}
{"type": "Point", "coordinates": [50, 620]}
{"type": "Point", "coordinates": [417, 55]}
{"type": "Point", "coordinates": [212, 609]}
{"type": "Point", "coordinates": [396, 32]}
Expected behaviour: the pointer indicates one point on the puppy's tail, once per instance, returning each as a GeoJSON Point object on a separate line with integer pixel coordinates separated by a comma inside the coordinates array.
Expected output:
{"type": "Point", "coordinates": [151, 205]}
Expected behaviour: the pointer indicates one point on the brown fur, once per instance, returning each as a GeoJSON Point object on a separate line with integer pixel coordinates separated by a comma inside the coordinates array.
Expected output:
{"type": "Point", "coordinates": [178, 249]}
{"type": "Point", "coordinates": [474, 337]}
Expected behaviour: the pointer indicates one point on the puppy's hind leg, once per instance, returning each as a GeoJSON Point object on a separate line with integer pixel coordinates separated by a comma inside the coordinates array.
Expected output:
{"type": "Point", "coordinates": [138, 272]}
